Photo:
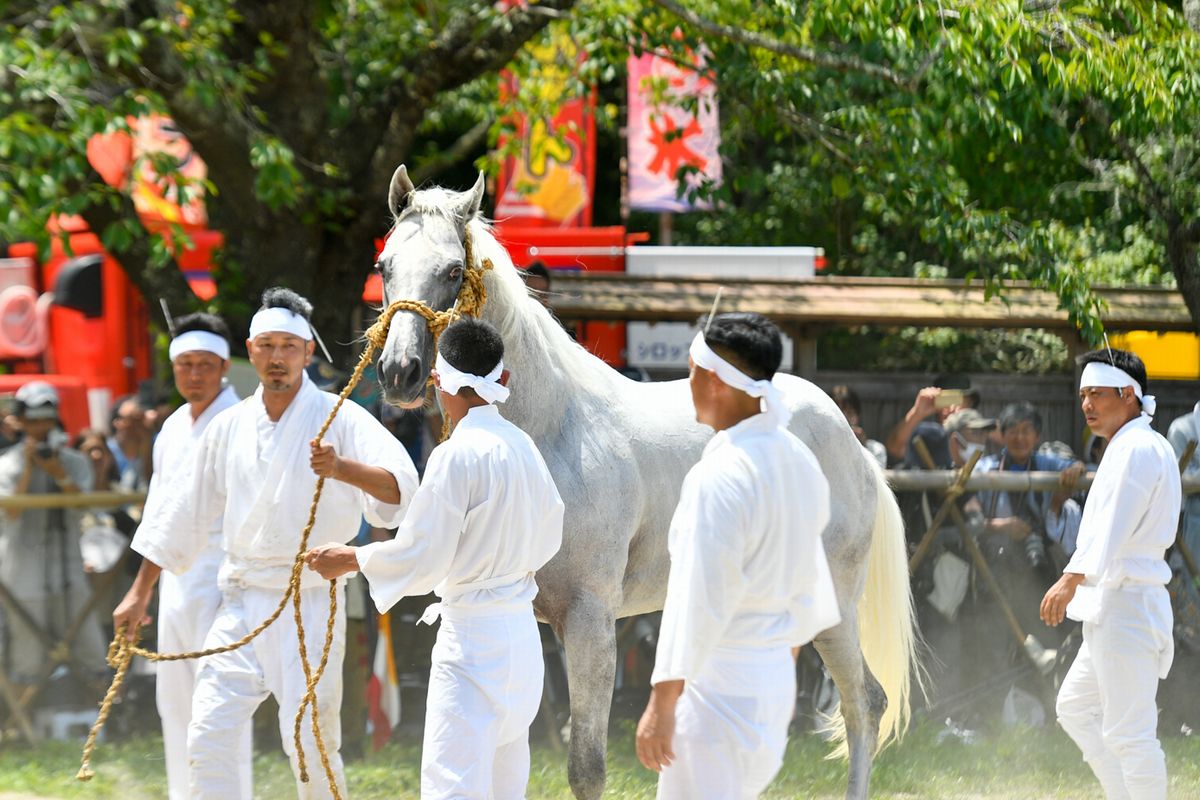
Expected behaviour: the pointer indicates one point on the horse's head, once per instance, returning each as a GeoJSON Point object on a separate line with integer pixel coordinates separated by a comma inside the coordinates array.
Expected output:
{"type": "Point", "coordinates": [424, 260]}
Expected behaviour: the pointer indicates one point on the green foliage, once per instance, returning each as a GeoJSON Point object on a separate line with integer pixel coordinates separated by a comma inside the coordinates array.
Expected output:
{"type": "Point", "coordinates": [937, 350]}
{"type": "Point", "coordinates": [1002, 140]}
{"type": "Point", "coordinates": [1019, 141]}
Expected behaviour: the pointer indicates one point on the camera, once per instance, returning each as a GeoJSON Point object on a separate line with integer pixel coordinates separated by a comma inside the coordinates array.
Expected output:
{"type": "Point", "coordinates": [1035, 542]}
{"type": "Point", "coordinates": [1035, 550]}
{"type": "Point", "coordinates": [44, 451]}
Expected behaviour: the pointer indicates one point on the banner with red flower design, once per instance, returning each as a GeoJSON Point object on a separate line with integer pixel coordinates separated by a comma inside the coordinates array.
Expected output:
{"type": "Point", "coordinates": [668, 132]}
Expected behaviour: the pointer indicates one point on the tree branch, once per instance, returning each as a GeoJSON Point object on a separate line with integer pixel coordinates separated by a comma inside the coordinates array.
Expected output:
{"type": "Point", "coordinates": [460, 54]}
{"type": "Point", "coordinates": [838, 63]}
{"type": "Point", "coordinates": [1155, 194]}
{"type": "Point", "coordinates": [217, 131]}
{"type": "Point", "coordinates": [462, 148]}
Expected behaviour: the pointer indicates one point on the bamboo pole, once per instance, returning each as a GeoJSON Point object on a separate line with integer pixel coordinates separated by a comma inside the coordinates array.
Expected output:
{"type": "Point", "coordinates": [977, 556]}
{"type": "Point", "coordinates": [27, 502]}
{"type": "Point", "coordinates": [949, 498]}
{"type": "Point", "coordinates": [905, 480]}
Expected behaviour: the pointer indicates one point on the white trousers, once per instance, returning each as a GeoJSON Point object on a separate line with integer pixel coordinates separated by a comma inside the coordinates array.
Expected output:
{"type": "Point", "coordinates": [1107, 701]}
{"type": "Point", "coordinates": [485, 686]}
{"type": "Point", "coordinates": [230, 686]}
{"type": "Point", "coordinates": [187, 606]}
{"type": "Point", "coordinates": [731, 726]}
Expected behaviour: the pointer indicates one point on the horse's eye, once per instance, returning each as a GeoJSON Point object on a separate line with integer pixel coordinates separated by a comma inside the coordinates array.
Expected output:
{"type": "Point", "coordinates": [456, 273]}
{"type": "Point", "coordinates": [377, 267]}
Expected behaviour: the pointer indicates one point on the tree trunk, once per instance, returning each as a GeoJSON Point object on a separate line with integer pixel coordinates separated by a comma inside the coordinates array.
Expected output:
{"type": "Point", "coordinates": [1191, 12]}
{"type": "Point", "coordinates": [1184, 258]}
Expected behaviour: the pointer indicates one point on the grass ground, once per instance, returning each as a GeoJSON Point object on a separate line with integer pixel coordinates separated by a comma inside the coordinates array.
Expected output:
{"type": "Point", "coordinates": [1017, 764]}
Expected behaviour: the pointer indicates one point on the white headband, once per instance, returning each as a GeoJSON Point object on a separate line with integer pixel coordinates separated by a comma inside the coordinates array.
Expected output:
{"type": "Point", "coordinates": [1096, 373]}
{"type": "Point", "coordinates": [451, 379]}
{"type": "Point", "coordinates": [191, 341]}
{"type": "Point", "coordinates": [772, 399]}
{"type": "Point", "coordinates": [280, 320]}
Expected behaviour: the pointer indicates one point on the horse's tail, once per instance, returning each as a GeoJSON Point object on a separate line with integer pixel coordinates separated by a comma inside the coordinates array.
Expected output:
{"type": "Point", "coordinates": [886, 618]}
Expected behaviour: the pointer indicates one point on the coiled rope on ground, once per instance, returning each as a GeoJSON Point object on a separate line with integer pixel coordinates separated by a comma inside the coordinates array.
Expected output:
{"type": "Point", "coordinates": [472, 296]}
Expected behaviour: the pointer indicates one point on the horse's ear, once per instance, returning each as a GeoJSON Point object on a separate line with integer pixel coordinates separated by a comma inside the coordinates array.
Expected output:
{"type": "Point", "coordinates": [473, 200]}
{"type": "Point", "coordinates": [401, 188]}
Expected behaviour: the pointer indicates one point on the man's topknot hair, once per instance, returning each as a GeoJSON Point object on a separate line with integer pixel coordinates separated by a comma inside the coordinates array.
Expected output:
{"type": "Point", "coordinates": [202, 321]}
{"type": "Point", "coordinates": [279, 297]}
{"type": "Point", "coordinates": [750, 342]}
{"type": "Point", "coordinates": [472, 346]}
{"type": "Point", "coordinates": [1122, 360]}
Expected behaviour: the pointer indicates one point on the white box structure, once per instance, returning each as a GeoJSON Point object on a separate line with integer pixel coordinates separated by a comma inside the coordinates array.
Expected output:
{"type": "Point", "coordinates": [664, 345]}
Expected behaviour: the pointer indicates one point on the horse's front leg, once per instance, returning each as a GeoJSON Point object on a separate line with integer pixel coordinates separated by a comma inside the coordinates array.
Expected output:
{"type": "Point", "coordinates": [588, 634]}
{"type": "Point", "coordinates": [862, 699]}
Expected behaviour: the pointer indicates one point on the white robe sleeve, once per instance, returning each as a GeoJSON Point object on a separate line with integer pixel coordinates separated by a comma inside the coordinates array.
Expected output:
{"type": "Point", "coordinates": [191, 510]}
{"type": "Point", "coordinates": [419, 558]}
{"type": "Point", "coordinates": [368, 442]}
{"type": "Point", "coordinates": [707, 581]}
{"type": "Point", "coordinates": [1181, 432]}
{"type": "Point", "coordinates": [1122, 506]}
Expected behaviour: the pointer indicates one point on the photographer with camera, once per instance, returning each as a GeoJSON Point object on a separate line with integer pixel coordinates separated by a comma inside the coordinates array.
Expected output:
{"type": "Point", "coordinates": [1020, 525]}
{"type": "Point", "coordinates": [40, 560]}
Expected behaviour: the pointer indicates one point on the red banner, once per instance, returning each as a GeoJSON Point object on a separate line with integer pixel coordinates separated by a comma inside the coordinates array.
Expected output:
{"type": "Point", "coordinates": [124, 161]}
{"type": "Point", "coordinates": [550, 182]}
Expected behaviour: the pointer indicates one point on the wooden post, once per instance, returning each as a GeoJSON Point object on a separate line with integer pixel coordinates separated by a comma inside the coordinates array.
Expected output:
{"type": "Point", "coordinates": [666, 228]}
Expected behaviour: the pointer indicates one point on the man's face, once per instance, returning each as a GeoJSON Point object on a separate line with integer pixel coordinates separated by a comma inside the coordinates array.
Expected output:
{"type": "Point", "coordinates": [130, 420]}
{"type": "Point", "coordinates": [37, 429]}
{"type": "Point", "coordinates": [279, 359]}
{"type": "Point", "coordinates": [1021, 439]}
{"type": "Point", "coordinates": [1105, 409]}
{"type": "Point", "coordinates": [701, 383]}
{"type": "Point", "coordinates": [198, 375]}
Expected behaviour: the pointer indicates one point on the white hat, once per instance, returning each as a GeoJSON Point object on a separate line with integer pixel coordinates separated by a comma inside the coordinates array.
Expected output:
{"type": "Point", "coordinates": [39, 400]}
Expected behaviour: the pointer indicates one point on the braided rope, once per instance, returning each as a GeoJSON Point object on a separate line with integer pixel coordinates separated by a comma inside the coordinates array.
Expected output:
{"type": "Point", "coordinates": [472, 296]}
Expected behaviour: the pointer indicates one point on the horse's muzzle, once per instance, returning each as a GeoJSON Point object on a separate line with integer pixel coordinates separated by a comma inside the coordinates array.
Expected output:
{"type": "Point", "coordinates": [403, 382]}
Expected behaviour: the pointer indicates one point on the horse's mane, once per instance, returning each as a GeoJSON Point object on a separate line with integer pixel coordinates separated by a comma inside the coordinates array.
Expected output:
{"type": "Point", "coordinates": [526, 325]}
{"type": "Point", "coordinates": [435, 201]}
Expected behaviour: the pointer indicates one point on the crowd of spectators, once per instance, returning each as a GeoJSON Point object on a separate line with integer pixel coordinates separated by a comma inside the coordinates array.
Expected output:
{"type": "Point", "coordinates": [979, 671]}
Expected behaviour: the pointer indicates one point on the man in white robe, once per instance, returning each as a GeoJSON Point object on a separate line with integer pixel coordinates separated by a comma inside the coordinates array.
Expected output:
{"type": "Point", "coordinates": [187, 604]}
{"type": "Point", "coordinates": [486, 517]}
{"type": "Point", "coordinates": [250, 482]}
{"type": "Point", "coordinates": [749, 582]}
{"type": "Point", "coordinates": [1115, 584]}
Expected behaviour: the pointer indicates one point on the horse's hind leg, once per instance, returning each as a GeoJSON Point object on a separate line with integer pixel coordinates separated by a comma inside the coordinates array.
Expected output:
{"type": "Point", "coordinates": [589, 637]}
{"type": "Point", "coordinates": [863, 700]}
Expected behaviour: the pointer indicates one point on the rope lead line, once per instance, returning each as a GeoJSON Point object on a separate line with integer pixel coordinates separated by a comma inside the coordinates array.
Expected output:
{"type": "Point", "coordinates": [472, 296]}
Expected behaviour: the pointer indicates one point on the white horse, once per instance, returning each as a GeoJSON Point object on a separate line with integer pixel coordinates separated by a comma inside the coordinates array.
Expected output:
{"type": "Point", "coordinates": [618, 451]}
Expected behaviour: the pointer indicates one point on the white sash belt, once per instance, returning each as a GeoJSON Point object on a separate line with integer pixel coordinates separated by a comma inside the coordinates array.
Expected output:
{"type": "Point", "coordinates": [452, 593]}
